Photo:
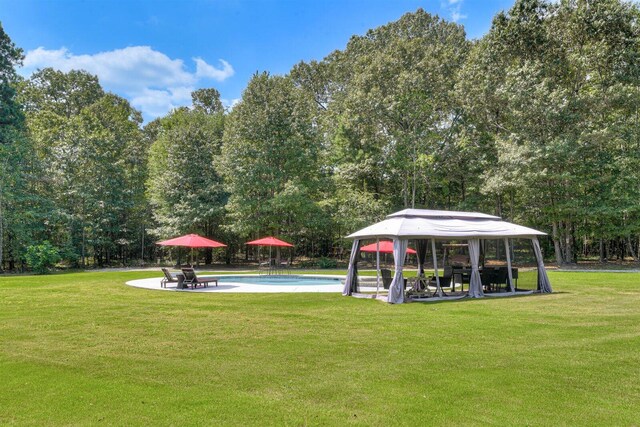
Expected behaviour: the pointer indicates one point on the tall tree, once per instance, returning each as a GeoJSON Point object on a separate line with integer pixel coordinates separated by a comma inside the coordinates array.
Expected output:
{"type": "Point", "coordinates": [207, 101]}
{"type": "Point", "coordinates": [270, 161]}
{"type": "Point", "coordinates": [14, 149]}
{"type": "Point", "coordinates": [545, 89]}
{"type": "Point", "coordinates": [395, 100]}
{"type": "Point", "coordinates": [94, 160]}
{"type": "Point", "coordinates": [11, 117]}
{"type": "Point", "coordinates": [184, 188]}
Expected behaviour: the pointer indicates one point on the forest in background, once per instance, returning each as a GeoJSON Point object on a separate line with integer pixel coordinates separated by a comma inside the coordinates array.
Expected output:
{"type": "Point", "coordinates": [536, 122]}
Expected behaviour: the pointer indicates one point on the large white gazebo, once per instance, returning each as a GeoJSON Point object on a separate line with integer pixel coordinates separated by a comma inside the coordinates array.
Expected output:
{"type": "Point", "coordinates": [424, 225]}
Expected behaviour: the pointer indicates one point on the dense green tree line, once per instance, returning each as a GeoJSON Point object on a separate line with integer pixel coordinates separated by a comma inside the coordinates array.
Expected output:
{"type": "Point", "coordinates": [537, 122]}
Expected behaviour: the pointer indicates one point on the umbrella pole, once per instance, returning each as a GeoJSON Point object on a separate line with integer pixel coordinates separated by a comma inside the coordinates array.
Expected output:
{"type": "Point", "coordinates": [377, 267]}
{"type": "Point", "coordinates": [270, 259]}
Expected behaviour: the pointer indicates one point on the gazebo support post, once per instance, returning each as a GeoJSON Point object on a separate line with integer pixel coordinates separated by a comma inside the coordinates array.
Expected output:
{"type": "Point", "coordinates": [509, 272]}
{"type": "Point", "coordinates": [377, 267]}
{"type": "Point", "coordinates": [435, 266]}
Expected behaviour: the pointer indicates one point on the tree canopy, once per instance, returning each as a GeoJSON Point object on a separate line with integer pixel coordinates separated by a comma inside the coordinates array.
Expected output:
{"type": "Point", "coordinates": [537, 122]}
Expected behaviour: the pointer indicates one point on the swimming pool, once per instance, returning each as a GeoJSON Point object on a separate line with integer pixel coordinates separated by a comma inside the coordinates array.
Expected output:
{"type": "Point", "coordinates": [277, 280]}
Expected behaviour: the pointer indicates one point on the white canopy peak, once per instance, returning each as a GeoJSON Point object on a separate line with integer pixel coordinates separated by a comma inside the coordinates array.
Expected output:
{"type": "Point", "coordinates": [429, 213]}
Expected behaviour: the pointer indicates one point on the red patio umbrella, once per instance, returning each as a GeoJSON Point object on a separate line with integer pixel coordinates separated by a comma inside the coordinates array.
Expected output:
{"type": "Point", "coordinates": [269, 241]}
{"type": "Point", "coordinates": [192, 241]}
{"type": "Point", "coordinates": [386, 247]}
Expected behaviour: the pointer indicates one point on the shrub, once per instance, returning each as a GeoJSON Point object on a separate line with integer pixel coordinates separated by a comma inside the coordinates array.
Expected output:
{"type": "Point", "coordinates": [327, 263]}
{"type": "Point", "coordinates": [40, 258]}
{"type": "Point", "coordinates": [69, 255]}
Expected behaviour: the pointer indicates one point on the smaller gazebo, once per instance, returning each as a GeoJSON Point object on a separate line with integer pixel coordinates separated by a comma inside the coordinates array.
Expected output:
{"type": "Point", "coordinates": [430, 225]}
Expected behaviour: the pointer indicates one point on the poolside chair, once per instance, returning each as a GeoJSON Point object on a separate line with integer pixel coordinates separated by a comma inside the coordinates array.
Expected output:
{"type": "Point", "coordinates": [190, 278]}
{"type": "Point", "coordinates": [445, 279]}
{"type": "Point", "coordinates": [487, 277]}
{"type": "Point", "coordinates": [168, 278]}
{"type": "Point", "coordinates": [285, 266]}
{"type": "Point", "coordinates": [387, 278]}
{"type": "Point", "coordinates": [501, 279]}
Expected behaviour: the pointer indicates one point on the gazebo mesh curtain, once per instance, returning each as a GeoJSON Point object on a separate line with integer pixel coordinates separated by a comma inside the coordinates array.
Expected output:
{"type": "Point", "coordinates": [544, 286]}
{"type": "Point", "coordinates": [507, 251]}
{"type": "Point", "coordinates": [421, 249]}
{"type": "Point", "coordinates": [475, 282]}
{"type": "Point", "coordinates": [396, 289]}
{"type": "Point", "coordinates": [351, 283]}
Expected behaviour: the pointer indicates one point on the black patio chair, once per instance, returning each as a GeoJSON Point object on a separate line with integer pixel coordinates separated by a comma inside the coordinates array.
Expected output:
{"type": "Point", "coordinates": [191, 279]}
{"type": "Point", "coordinates": [445, 280]}
{"type": "Point", "coordinates": [487, 277]}
{"type": "Point", "coordinates": [502, 279]}
{"type": "Point", "coordinates": [387, 278]}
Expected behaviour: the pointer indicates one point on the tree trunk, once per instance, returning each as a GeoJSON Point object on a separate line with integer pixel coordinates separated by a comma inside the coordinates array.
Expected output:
{"type": "Point", "coordinates": [3, 168]}
{"type": "Point", "coordinates": [556, 244]}
{"type": "Point", "coordinates": [630, 249]}
{"type": "Point", "coordinates": [569, 258]}
{"type": "Point", "coordinates": [12, 262]}
{"type": "Point", "coordinates": [511, 203]}
{"type": "Point", "coordinates": [142, 246]}
{"type": "Point", "coordinates": [405, 190]}
{"type": "Point", "coordinates": [463, 188]}
{"type": "Point", "coordinates": [413, 186]}
{"type": "Point", "coordinates": [603, 257]}
{"type": "Point", "coordinates": [621, 249]}
{"type": "Point", "coordinates": [82, 249]}
{"type": "Point", "coordinates": [1, 231]}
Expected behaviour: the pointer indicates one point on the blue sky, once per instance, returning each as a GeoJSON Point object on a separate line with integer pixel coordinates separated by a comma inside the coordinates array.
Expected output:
{"type": "Point", "coordinates": [154, 53]}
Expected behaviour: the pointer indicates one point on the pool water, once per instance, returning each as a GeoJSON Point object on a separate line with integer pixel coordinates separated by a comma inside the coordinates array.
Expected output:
{"type": "Point", "coordinates": [281, 280]}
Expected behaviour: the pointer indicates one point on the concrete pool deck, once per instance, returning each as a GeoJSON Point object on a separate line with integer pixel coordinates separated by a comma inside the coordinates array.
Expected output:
{"type": "Point", "coordinates": [238, 287]}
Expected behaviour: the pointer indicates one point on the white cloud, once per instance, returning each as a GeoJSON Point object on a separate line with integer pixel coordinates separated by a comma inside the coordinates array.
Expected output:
{"type": "Point", "coordinates": [157, 102]}
{"type": "Point", "coordinates": [151, 80]}
{"type": "Point", "coordinates": [230, 103]}
{"type": "Point", "coordinates": [456, 16]}
{"type": "Point", "coordinates": [454, 8]}
{"type": "Point", "coordinates": [205, 70]}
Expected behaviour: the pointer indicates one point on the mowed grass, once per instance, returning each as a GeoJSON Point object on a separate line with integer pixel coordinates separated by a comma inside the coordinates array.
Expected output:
{"type": "Point", "coordinates": [84, 349]}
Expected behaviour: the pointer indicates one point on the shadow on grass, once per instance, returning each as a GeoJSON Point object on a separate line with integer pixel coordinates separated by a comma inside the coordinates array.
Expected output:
{"type": "Point", "coordinates": [486, 297]}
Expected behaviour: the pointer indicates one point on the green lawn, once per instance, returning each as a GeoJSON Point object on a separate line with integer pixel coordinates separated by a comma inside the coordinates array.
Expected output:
{"type": "Point", "coordinates": [83, 348]}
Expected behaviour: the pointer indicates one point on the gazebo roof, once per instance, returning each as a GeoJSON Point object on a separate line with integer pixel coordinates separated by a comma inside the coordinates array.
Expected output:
{"type": "Point", "coordinates": [427, 224]}
{"type": "Point", "coordinates": [428, 213]}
